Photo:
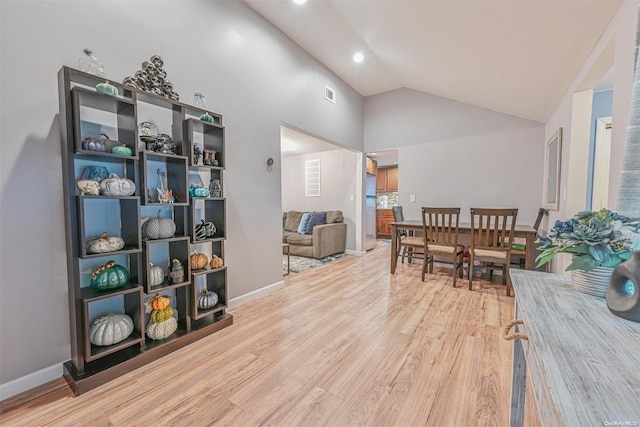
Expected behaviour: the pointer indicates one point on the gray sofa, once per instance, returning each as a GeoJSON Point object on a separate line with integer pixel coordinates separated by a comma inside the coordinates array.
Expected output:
{"type": "Point", "coordinates": [326, 239]}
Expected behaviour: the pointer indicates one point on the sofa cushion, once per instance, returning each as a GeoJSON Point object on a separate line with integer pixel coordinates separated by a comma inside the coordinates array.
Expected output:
{"type": "Point", "coordinates": [293, 221]}
{"type": "Point", "coordinates": [286, 234]}
{"type": "Point", "coordinates": [300, 239]}
{"type": "Point", "coordinates": [316, 218]}
{"type": "Point", "coordinates": [302, 228]}
{"type": "Point", "coordinates": [334, 216]}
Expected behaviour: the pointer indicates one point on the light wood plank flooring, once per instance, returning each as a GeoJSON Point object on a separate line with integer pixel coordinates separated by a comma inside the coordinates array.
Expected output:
{"type": "Point", "coordinates": [340, 345]}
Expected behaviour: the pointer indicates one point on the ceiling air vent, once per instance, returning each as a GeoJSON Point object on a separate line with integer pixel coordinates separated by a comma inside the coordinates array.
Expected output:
{"type": "Point", "coordinates": [329, 94]}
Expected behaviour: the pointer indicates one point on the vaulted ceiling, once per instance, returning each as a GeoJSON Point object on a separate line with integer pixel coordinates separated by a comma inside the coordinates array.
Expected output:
{"type": "Point", "coordinates": [512, 56]}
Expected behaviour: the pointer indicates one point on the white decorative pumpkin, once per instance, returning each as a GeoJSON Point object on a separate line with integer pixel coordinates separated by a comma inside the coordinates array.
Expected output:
{"type": "Point", "coordinates": [160, 331]}
{"type": "Point", "coordinates": [104, 244]}
{"type": "Point", "coordinates": [158, 228]}
{"type": "Point", "coordinates": [110, 329]}
{"type": "Point", "coordinates": [116, 186]}
{"type": "Point", "coordinates": [156, 275]}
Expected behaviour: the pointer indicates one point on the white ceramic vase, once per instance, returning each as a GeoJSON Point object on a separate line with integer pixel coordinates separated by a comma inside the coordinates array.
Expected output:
{"type": "Point", "coordinates": [594, 282]}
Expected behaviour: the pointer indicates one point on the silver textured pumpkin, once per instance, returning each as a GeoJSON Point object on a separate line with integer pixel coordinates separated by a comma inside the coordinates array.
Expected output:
{"type": "Point", "coordinates": [104, 244]}
{"type": "Point", "coordinates": [156, 275]}
{"type": "Point", "coordinates": [207, 299]}
{"type": "Point", "coordinates": [116, 186]}
{"type": "Point", "coordinates": [110, 329]}
{"type": "Point", "coordinates": [158, 228]}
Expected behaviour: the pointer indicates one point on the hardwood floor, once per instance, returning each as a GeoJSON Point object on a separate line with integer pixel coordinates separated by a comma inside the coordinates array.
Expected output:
{"type": "Point", "coordinates": [342, 344]}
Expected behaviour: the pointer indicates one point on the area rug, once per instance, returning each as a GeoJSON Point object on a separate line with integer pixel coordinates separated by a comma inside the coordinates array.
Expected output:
{"type": "Point", "coordinates": [300, 264]}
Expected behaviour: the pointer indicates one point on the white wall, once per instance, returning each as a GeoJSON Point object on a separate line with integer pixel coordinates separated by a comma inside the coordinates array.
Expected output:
{"type": "Point", "coordinates": [338, 175]}
{"type": "Point", "coordinates": [455, 154]}
{"type": "Point", "coordinates": [250, 72]}
{"type": "Point", "coordinates": [620, 31]}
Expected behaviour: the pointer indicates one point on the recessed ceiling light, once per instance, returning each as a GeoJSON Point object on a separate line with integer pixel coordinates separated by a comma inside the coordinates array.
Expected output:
{"type": "Point", "coordinates": [299, 1]}
{"type": "Point", "coordinates": [358, 57]}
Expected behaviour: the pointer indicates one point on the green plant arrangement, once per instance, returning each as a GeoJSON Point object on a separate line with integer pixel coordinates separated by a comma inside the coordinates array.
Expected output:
{"type": "Point", "coordinates": [595, 239]}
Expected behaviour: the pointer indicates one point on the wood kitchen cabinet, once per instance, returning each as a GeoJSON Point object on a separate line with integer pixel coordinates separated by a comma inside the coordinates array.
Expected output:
{"type": "Point", "coordinates": [384, 218]}
{"type": "Point", "coordinates": [372, 166]}
{"type": "Point", "coordinates": [387, 180]}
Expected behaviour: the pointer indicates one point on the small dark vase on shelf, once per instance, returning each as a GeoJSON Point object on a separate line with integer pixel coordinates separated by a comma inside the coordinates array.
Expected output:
{"type": "Point", "coordinates": [623, 295]}
{"type": "Point", "coordinates": [215, 190]}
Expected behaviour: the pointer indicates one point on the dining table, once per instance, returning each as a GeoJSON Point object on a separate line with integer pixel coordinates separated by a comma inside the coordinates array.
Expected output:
{"type": "Point", "coordinates": [526, 232]}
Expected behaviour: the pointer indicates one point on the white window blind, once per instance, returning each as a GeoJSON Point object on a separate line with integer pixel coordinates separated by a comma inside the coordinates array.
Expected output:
{"type": "Point", "coordinates": [312, 178]}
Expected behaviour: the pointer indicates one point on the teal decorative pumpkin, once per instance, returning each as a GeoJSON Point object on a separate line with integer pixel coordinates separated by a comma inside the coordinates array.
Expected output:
{"type": "Point", "coordinates": [206, 117]}
{"type": "Point", "coordinates": [109, 276]}
{"type": "Point", "coordinates": [107, 88]}
{"type": "Point", "coordinates": [123, 150]}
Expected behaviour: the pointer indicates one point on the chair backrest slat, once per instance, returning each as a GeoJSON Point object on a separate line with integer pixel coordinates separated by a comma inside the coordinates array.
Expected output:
{"type": "Point", "coordinates": [440, 225]}
{"type": "Point", "coordinates": [493, 228]}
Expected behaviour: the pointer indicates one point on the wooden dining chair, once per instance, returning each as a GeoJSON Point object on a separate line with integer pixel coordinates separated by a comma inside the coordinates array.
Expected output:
{"type": "Point", "coordinates": [408, 244]}
{"type": "Point", "coordinates": [440, 226]}
{"type": "Point", "coordinates": [519, 250]}
{"type": "Point", "coordinates": [491, 229]}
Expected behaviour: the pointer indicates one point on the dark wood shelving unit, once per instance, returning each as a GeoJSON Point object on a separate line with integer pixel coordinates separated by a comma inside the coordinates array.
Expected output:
{"type": "Point", "coordinates": [83, 112]}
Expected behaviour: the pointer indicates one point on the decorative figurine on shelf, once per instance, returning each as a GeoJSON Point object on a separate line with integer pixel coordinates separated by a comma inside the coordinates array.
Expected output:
{"type": "Point", "coordinates": [165, 195]}
{"type": "Point", "coordinates": [164, 144]}
{"type": "Point", "coordinates": [147, 132]}
{"type": "Point", "coordinates": [215, 189]}
{"type": "Point", "coordinates": [197, 153]}
{"type": "Point", "coordinates": [102, 143]}
{"type": "Point", "coordinates": [210, 158]}
{"type": "Point", "coordinates": [90, 64]}
{"type": "Point", "coordinates": [152, 78]}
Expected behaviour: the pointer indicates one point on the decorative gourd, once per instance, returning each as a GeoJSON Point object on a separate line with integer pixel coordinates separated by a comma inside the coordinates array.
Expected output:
{"type": "Point", "coordinates": [198, 261]}
{"type": "Point", "coordinates": [158, 316]}
{"type": "Point", "coordinates": [206, 117]}
{"type": "Point", "coordinates": [205, 230]}
{"type": "Point", "coordinates": [199, 192]}
{"type": "Point", "coordinates": [123, 150]}
{"type": "Point", "coordinates": [216, 262]}
{"type": "Point", "coordinates": [109, 276]}
{"type": "Point", "coordinates": [207, 299]}
{"type": "Point", "coordinates": [158, 228]}
{"type": "Point", "coordinates": [89, 187]}
{"type": "Point", "coordinates": [110, 329]}
{"type": "Point", "coordinates": [156, 275]}
{"type": "Point", "coordinates": [94, 144]}
{"type": "Point", "coordinates": [116, 186]}
{"type": "Point", "coordinates": [104, 244]}
{"type": "Point", "coordinates": [159, 302]}
{"type": "Point", "coordinates": [107, 88]}
{"type": "Point", "coordinates": [160, 331]}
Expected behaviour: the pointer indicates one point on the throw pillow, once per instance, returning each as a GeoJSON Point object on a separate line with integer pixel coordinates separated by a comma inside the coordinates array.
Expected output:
{"type": "Point", "coordinates": [334, 217]}
{"type": "Point", "coordinates": [293, 221]}
{"type": "Point", "coordinates": [302, 228]}
{"type": "Point", "coordinates": [316, 218]}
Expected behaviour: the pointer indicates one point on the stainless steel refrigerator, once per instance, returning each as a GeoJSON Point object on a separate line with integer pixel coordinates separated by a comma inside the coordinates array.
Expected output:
{"type": "Point", "coordinates": [370, 212]}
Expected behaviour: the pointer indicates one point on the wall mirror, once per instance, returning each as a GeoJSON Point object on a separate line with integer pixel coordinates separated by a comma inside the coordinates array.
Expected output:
{"type": "Point", "coordinates": [552, 171]}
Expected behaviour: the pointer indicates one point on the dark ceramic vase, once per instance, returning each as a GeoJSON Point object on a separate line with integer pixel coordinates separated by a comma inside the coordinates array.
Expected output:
{"type": "Point", "coordinates": [623, 295]}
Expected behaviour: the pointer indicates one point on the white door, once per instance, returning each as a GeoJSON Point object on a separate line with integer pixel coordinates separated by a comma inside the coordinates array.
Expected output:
{"type": "Point", "coordinates": [601, 161]}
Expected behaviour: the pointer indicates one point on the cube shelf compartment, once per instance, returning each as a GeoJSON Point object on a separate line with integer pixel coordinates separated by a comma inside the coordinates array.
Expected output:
{"type": "Point", "coordinates": [128, 301]}
{"type": "Point", "coordinates": [175, 168]}
{"type": "Point", "coordinates": [210, 138]}
{"type": "Point", "coordinates": [214, 280]}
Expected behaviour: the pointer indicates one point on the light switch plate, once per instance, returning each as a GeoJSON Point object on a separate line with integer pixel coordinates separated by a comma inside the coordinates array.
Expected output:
{"type": "Point", "coordinates": [412, 198]}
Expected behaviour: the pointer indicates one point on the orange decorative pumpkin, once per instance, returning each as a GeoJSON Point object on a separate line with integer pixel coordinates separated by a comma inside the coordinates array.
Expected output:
{"type": "Point", "coordinates": [159, 302]}
{"type": "Point", "coordinates": [216, 262]}
{"type": "Point", "coordinates": [198, 261]}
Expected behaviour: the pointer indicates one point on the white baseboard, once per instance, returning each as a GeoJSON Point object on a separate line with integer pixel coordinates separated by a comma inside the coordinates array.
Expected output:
{"type": "Point", "coordinates": [30, 381]}
{"type": "Point", "coordinates": [356, 253]}
{"type": "Point", "coordinates": [255, 294]}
